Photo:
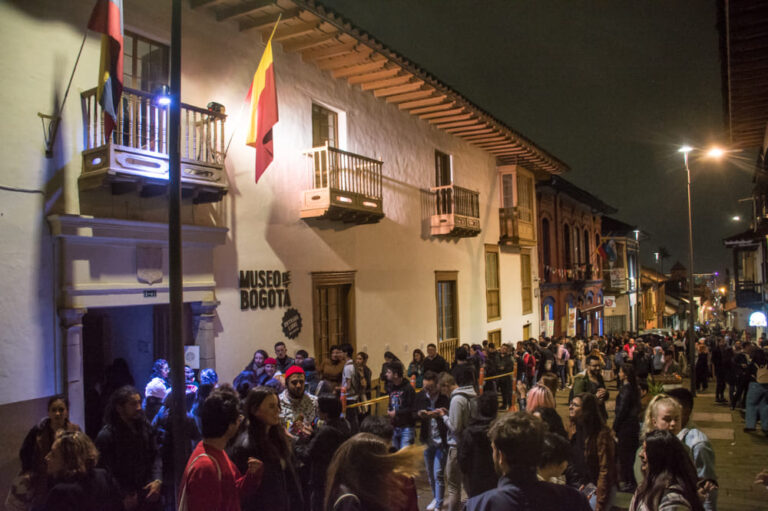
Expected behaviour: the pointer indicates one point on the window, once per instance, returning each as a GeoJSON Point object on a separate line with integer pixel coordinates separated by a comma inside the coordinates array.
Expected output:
{"type": "Point", "coordinates": [508, 190]}
{"type": "Point", "coordinates": [586, 246]}
{"type": "Point", "coordinates": [494, 336]}
{"type": "Point", "coordinates": [525, 197]}
{"type": "Point", "coordinates": [443, 170]}
{"type": "Point", "coordinates": [325, 126]}
{"type": "Point", "coordinates": [492, 294]}
{"type": "Point", "coordinates": [447, 305]}
{"type": "Point", "coordinates": [567, 244]}
{"type": "Point", "coordinates": [545, 248]}
{"type": "Point", "coordinates": [145, 63]}
{"type": "Point", "coordinates": [526, 282]}
{"type": "Point", "coordinates": [576, 246]}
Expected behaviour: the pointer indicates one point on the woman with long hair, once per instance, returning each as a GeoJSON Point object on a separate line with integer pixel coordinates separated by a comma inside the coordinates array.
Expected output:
{"type": "Point", "coordinates": [416, 367]}
{"type": "Point", "coordinates": [256, 364]}
{"type": "Point", "coordinates": [38, 442]}
{"type": "Point", "coordinates": [539, 396]}
{"type": "Point", "coordinates": [593, 452]}
{"type": "Point", "coordinates": [626, 425]}
{"type": "Point", "coordinates": [76, 483]}
{"type": "Point", "coordinates": [365, 476]}
{"type": "Point", "coordinates": [757, 393]}
{"type": "Point", "coordinates": [265, 438]}
{"type": "Point", "coordinates": [670, 478]}
{"type": "Point", "coordinates": [663, 413]}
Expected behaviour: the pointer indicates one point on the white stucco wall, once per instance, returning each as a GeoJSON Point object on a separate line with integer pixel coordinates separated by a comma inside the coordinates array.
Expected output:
{"type": "Point", "coordinates": [394, 260]}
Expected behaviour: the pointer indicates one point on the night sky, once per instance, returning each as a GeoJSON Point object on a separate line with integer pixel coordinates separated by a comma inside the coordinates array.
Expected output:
{"type": "Point", "coordinates": [612, 88]}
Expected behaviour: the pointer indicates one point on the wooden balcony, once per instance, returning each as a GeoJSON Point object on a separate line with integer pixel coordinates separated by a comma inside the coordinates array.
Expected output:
{"type": "Point", "coordinates": [457, 212]}
{"type": "Point", "coordinates": [343, 187]}
{"type": "Point", "coordinates": [516, 227]}
{"type": "Point", "coordinates": [135, 158]}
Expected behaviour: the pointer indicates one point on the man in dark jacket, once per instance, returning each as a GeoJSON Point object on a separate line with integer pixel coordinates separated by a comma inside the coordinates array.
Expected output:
{"type": "Point", "coordinates": [434, 362]}
{"type": "Point", "coordinates": [400, 409]}
{"type": "Point", "coordinates": [128, 450]}
{"type": "Point", "coordinates": [507, 365]}
{"type": "Point", "coordinates": [516, 441]}
{"type": "Point", "coordinates": [474, 453]}
{"type": "Point", "coordinates": [433, 435]}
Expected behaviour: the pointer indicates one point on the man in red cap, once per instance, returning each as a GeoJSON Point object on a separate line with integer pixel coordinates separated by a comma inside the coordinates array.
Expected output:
{"type": "Point", "coordinates": [295, 404]}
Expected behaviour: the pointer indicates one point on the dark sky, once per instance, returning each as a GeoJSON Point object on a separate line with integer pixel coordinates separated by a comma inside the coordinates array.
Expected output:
{"type": "Point", "coordinates": [612, 88]}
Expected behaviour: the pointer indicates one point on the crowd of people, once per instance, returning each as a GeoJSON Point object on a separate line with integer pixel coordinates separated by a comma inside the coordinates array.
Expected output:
{"type": "Point", "coordinates": [291, 435]}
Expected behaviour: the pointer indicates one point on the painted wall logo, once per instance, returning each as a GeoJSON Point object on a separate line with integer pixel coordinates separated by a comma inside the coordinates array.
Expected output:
{"type": "Point", "coordinates": [264, 289]}
{"type": "Point", "coordinates": [291, 323]}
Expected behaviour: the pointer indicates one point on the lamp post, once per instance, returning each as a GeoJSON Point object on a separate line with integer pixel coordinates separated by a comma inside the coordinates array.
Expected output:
{"type": "Point", "coordinates": [691, 340]}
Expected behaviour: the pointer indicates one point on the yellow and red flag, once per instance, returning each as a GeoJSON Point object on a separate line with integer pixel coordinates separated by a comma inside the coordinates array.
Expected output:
{"type": "Point", "coordinates": [107, 18]}
{"type": "Point", "coordinates": [263, 111]}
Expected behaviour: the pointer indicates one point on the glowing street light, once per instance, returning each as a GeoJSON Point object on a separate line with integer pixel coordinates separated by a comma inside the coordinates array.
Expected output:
{"type": "Point", "coordinates": [736, 218]}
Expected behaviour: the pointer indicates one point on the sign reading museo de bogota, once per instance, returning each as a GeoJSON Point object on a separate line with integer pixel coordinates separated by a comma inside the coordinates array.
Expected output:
{"type": "Point", "coordinates": [264, 289]}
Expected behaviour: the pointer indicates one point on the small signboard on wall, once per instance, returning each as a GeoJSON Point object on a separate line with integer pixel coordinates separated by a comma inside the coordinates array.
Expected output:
{"type": "Point", "coordinates": [609, 302]}
{"type": "Point", "coordinates": [192, 356]}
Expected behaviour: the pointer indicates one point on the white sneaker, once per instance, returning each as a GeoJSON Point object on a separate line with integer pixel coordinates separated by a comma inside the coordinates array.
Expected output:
{"type": "Point", "coordinates": [432, 505]}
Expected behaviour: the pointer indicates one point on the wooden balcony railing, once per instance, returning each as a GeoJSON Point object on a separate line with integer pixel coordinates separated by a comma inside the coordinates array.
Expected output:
{"type": "Point", "coordinates": [342, 186]}
{"type": "Point", "coordinates": [457, 211]}
{"type": "Point", "coordinates": [137, 149]}
{"type": "Point", "coordinates": [516, 227]}
{"type": "Point", "coordinates": [447, 348]}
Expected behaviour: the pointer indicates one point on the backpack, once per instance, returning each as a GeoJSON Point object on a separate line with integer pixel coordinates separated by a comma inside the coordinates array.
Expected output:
{"type": "Point", "coordinates": [473, 405]}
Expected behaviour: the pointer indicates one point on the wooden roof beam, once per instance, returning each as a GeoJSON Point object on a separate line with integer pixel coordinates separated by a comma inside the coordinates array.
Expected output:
{"type": "Point", "coordinates": [398, 89]}
{"type": "Point", "coordinates": [377, 75]}
{"type": "Point", "coordinates": [421, 102]}
{"type": "Point", "coordinates": [433, 108]}
{"type": "Point", "coordinates": [388, 82]}
{"type": "Point", "coordinates": [195, 4]}
{"type": "Point", "coordinates": [327, 52]}
{"type": "Point", "coordinates": [449, 118]}
{"type": "Point", "coordinates": [344, 72]}
{"type": "Point", "coordinates": [485, 137]}
{"type": "Point", "coordinates": [484, 128]}
{"type": "Point", "coordinates": [409, 96]}
{"type": "Point", "coordinates": [307, 44]}
{"type": "Point", "coordinates": [267, 21]}
{"type": "Point", "coordinates": [285, 32]}
{"type": "Point", "coordinates": [459, 124]}
{"type": "Point", "coordinates": [345, 61]}
{"type": "Point", "coordinates": [442, 113]}
{"type": "Point", "coordinates": [242, 9]}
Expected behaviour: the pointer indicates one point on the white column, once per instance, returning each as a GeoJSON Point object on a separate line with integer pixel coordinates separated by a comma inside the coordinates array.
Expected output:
{"type": "Point", "coordinates": [71, 321]}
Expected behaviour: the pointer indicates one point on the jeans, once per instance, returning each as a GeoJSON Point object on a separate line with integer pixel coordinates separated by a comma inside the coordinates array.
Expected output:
{"type": "Point", "coordinates": [434, 459]}
{"type": "Point", "coordinates": [402, 437]}
{"type": "Point", "coordinates": [452, 480]}
{"type": "Point", "coordinates": [561, 370]}
{"type": "Point", "coordinates": [757, 406]}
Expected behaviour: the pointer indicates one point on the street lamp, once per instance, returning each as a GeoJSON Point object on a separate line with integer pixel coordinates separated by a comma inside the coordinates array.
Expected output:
{"type": "Point", "coordinates": [686, 149]}
{"type": "Point", "coordinates": [714, 152]}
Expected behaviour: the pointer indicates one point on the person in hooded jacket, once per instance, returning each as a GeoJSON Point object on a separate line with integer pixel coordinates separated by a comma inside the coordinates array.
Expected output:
{"type": "Point", "coordinates": [475, 455]}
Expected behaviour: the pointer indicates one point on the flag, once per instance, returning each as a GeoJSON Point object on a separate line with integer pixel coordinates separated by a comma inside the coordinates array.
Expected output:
{"type": "Point", "coordinates": [263, 111]}
{"type": "Point", "coordinates": [107, 18]}
{"type": "Point", "coordinates": [602, 252]}
{"type": "Point", "coordinates": [610, 249]}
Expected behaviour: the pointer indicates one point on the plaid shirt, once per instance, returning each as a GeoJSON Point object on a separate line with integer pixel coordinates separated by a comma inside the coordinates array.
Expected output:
{"type": "Point", "coordinates": [579, 349]}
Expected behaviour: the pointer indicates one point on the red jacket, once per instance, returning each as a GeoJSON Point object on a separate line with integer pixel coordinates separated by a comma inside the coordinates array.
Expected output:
{"type": "Point", "coordinates": [211, 482]}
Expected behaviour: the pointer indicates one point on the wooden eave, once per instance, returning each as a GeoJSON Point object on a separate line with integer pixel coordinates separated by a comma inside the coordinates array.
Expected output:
{"type": "Point", "coordinates": [346, 52]}
{"type": "Point", "coordinates": [744, 50]}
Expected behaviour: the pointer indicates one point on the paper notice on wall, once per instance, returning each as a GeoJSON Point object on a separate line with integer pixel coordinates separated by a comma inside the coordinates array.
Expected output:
{"type": "Point", "coordinates": [609, 302]}
{"type": "Point", "coordinates": [571, 321]}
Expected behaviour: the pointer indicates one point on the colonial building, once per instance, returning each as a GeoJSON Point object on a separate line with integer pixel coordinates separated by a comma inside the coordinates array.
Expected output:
{"type": "Point", "coordinates": [653, 300]}
{"type": "Point", "coordinates": [621, 276]}
{"type": "Point", "coordinates": [569, 264]}
{"type": "Point", "coordinates": [395, 213]}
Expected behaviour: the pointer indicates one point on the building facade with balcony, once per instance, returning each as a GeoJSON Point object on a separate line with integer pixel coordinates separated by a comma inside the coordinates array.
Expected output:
{"type": "Point", "coordinates": [621, 276]}
{"type": "Point", "coordinates": [395, 213]}
{"type": "Point", "coordinates": [570, 273]}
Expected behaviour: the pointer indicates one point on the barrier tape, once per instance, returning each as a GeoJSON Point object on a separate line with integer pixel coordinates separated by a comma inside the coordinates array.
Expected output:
{"type": "Point", "coordinates": [382, 398]}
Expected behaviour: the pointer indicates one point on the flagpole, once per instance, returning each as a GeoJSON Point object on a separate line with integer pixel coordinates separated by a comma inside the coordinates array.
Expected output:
{"type": "Point", "coordinates": [242, 105]}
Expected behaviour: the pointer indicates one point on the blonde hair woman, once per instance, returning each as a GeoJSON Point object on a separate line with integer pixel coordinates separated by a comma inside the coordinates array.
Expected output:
{"type": "Point", "coordinates": [662, 414]}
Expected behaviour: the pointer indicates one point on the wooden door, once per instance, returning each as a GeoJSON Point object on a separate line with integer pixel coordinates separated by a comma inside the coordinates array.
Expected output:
{"type": "Point", "coordinates": [334, 316]}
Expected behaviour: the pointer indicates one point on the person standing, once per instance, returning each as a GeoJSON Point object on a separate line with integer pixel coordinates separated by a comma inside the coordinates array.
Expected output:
{"type": "Point", "coordinates": [416, 367]}
{"type": "Point", "coordinates": [626, 425]}
{"type": "Point", "coordinates": [38, 442]}
{"type": "Point", "coordinates": [434, 435]}
{"type": "Point", "coordinates": [591, 380]}
{"type": "Point", "coordinates": [561, 361]}
{"type": "Point", "coordinates": [281, 355]}
{"type": "Point", "coordinates": [721, 363]}
{"type": "Point", "coordinates": [507, 365]}
{"type": "Point", "coordinates": [517, 441]}
{"type": "Point", "coordinates": [702, 366]}
{"type": "Point", "coordinates": [474, 449]}
{"type": "Point", "coordinates": [757, 393]}
{"type": "Point", "coordinates": [400, 409]}
{"type": "Point", "coordinates": [297, 407]}
{"type": "Point", "coordinates": [434, 361]}
{"type": "Point", "coordinates": [211, 481]}
{"type": "Point", "coordinates": [128, 450]}
{"type": "Point", "coordinates": [331, 370]}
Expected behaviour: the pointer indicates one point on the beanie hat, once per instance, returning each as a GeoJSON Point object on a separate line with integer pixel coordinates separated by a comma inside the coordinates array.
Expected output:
{"type": "Point", "coordinates": [270, 360]}
{"type": "Point", "coordinates": [293, 370]}
{"type": "Point", "coordinates": [155, 388]}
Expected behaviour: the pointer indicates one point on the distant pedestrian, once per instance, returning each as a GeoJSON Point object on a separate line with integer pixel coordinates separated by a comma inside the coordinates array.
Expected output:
{"type": "Point", "coordinates": [474, 450]}
{"type": "Point", "coordinates": [401, 406]}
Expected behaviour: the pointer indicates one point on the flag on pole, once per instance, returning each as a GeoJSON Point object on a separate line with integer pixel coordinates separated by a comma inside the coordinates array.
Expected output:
{"type": "Point", "coordinates": [263, 111]}
{"type": "Point", "coordinates": [107, 18]}
{"type": "Point", "coordinates": [602, 252]}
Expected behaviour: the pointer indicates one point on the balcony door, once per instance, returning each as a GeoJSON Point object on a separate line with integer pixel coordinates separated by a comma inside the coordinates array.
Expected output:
{"type": "Point", "coordinates": [333, 303]}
